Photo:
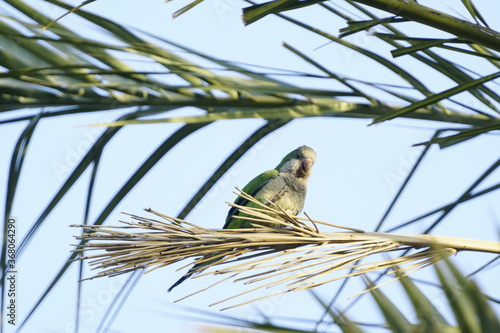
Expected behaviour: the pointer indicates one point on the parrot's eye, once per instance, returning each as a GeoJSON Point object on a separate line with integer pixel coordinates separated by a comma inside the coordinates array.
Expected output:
{"type": "Point", "coordinates": [297, 156]}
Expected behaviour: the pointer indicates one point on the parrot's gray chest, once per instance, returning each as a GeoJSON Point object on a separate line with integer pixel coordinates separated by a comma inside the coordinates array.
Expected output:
{"type": "Point", "coordinates": [286, 191]}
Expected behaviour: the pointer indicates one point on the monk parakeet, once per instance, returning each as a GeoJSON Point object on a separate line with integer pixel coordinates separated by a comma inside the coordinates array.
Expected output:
{"type": "Point", "coordinates": [284, 185]}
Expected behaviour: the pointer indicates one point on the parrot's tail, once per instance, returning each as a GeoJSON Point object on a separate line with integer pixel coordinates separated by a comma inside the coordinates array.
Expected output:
{"type": "Point", "coordinates": [196, 268]}
{"type": "Point", "coordinates": [182, 279]}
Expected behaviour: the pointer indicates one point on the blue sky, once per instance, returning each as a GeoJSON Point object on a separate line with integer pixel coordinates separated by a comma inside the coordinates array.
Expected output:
{"type": "Point", "coordinates": [358, 171]}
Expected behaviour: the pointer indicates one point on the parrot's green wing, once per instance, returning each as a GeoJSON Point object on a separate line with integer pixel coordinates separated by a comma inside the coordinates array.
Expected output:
{"type": "Point", "coordinates": [252, 188]}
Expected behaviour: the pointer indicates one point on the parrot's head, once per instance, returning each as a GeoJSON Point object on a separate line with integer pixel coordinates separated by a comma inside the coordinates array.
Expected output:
{"type": "Point", "coordinates": [298, 162]}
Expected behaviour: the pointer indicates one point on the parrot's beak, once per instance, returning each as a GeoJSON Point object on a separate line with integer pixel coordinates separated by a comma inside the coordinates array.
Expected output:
{"type": "Point", "coordinates": [305, 167]}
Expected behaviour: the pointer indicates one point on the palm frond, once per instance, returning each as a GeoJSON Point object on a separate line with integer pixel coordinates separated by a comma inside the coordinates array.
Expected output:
{"type": "Point", "coordinates": [468, 304]}
{"type": "Point", "coordinates": [296, 257]}
{"type": "Point", "coordinates": [410, 11]}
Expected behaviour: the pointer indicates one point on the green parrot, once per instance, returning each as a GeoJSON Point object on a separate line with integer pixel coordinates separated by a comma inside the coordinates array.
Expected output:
{"type": "Point", "coordinates": [285, 185]}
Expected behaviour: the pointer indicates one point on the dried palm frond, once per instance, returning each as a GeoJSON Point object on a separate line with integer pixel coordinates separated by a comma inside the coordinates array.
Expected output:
{"type": "Point", "coordinates": [297, 257]}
